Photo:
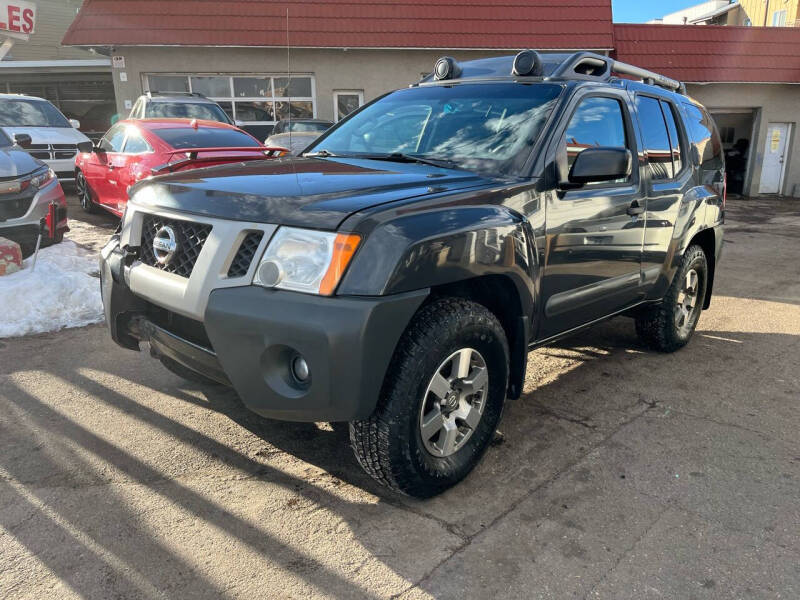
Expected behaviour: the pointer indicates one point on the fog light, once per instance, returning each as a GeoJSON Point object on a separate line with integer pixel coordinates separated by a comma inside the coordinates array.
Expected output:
{"type": "Point", "coordinates": [300, 369]}
{"type": "Point", "coordinates": [270, 273]}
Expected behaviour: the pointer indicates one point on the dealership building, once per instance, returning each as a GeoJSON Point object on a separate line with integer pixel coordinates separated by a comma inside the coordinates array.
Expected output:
{"type": "Point", "coordinates": [265, 60]}
{"type": "Point", "coordinates": [35, 63]}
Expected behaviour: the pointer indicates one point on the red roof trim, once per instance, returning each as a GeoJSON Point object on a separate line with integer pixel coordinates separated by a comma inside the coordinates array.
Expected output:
{"type": "Point", "coordinates": [502, 24]}
{"type": "Point", "coordinates": [709, 53]}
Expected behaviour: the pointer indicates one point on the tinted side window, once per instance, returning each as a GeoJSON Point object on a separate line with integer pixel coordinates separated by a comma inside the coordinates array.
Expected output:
{"type": "Point", "coordinates": [703, 134]}
{"type": "Point", "coordinates": [656, 139]}
{"type": "Point", "coordinates": [136, 144]}
{"type": "Point", "coordinates": [597, 121]}
{"type": "Point", "coordinates": [674, 138]}
{"type": "Point", "coordinates": [113, 139]}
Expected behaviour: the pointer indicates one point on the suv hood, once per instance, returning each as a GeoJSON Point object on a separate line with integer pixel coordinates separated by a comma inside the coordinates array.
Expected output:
{"type": "Point", "coordinates": [49, 135]}
{"type": "Point", "coordinates": [16, 163]}
{"type": "Point", "coordinates": [304, 192]}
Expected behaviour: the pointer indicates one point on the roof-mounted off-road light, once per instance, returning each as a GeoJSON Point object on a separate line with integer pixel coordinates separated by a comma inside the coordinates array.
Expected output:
{"type": "Point", "coordinates": [527, 63]}
{"type": "Point", "coordinates": [447, 68]}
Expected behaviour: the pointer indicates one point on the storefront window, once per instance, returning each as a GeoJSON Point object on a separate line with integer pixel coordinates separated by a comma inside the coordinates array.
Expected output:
{"type": "Point", "coordinates": [248, 99]}
{"type": "Point", "coordinates": [252, 87]}
{"type": "Point", "coordinates": [168, 83]}
{"type": "Point", "coordinates": [298, 110]}
{"type": "Point", "coordinates": [212, 86]}
{"type": "Point", "coordinates": [296, 86]}
{"type": "Point", "coordinates": [255, 111]}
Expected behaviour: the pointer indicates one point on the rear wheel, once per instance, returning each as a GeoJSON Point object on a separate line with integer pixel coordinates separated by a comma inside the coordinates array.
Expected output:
{"type": "Point", "coordinates": [669, 325]}
{"type": "Point", "coordinates": [84, 193]}
{"type": "Point", "coordinates": [441, 400]}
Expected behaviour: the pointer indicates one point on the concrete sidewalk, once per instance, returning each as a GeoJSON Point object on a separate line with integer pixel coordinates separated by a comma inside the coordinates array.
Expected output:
{"type": "Point", "coordinates": [620, 474]}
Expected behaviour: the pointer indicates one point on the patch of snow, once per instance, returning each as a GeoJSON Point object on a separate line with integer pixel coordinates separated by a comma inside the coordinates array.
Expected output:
{"type": "Point", "coordinates": [62, 291]}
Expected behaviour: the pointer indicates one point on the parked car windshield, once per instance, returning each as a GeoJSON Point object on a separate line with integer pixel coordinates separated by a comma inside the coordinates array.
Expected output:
{"type": "Point", "coordinates": [185, 110]}
{"type": "Point", "coordinates": [475, 126]}
{"type": "Point", "coordinates": [305, 126]}
{"type": "Point", "coordinates": [30, 113]}
{"type": "Point", "coordinates": [5, 141]}
{"type": "Point", "coordinates": [205, 137]}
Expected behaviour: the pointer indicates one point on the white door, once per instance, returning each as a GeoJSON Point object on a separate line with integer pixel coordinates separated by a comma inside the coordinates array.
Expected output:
{"type": "Point", "coordinates": [774, 163]}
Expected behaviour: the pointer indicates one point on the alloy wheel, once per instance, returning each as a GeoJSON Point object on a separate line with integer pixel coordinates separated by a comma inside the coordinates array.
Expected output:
{"type": "Point", "coordinates": [686, 306]}
{"type": "Point", "coordinates": [83, 191]}
{"type": "Point", "coordinates": [454, 401]}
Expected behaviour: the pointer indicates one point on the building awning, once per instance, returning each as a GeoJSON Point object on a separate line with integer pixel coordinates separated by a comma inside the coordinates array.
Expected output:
{"type": "Point", "coordinates": [715, 13]}
{"type": "Point", "coordinates": [438, 24]}
{"type": "Point", "coordinates": [712, 53]}
{"type": "Point", "coordinates": [101, 64]}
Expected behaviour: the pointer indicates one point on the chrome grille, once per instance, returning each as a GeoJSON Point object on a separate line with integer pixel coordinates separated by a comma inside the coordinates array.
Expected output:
{"type": "Point", "coordinates": [52, 151]}
{"type": "Point", "coordinates": [190, 238]}
{"type": "Point", "coordinates": [244, 256]}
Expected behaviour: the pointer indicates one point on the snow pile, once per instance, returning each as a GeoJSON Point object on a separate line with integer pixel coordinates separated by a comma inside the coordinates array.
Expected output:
{"type": "Point", "coordinates": [63, 291]}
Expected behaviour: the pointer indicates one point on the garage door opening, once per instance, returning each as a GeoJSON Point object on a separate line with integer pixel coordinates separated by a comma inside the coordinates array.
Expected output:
{"type": "Point", "coordinates": [736, 131]}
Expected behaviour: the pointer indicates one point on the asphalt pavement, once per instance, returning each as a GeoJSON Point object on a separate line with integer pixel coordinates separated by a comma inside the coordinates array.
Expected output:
{"type": "Point", "coordinates": [620, 473]}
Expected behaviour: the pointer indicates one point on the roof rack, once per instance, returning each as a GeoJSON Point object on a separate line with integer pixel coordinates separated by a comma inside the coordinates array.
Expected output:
{"type": "Point", "coordinates": [588, 65]}
{"type": "Point", "coordinates": [191, 94]}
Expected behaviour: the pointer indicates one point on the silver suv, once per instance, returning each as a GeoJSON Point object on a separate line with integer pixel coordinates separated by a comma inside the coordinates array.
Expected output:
{"type": "Point", "coordinates": [153, 105]}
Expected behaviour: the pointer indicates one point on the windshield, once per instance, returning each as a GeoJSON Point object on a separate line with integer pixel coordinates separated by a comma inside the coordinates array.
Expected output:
{"type": "Point", "coordinates": [306, 127]}
{"type": "Point", "coordinates": [185, 110]}
{"type": "Point", "coordinates": [205, 137]}
{"type": "Point", "coordinates": [474, 126]}
{"type": "Point", "coordinates": [30, 113]}
{"type": "Point", "coordinates": [5, 141]}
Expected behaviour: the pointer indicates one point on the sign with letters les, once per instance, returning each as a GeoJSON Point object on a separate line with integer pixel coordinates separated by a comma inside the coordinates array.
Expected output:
{"type": "Point", "coordinates": [17, 18]}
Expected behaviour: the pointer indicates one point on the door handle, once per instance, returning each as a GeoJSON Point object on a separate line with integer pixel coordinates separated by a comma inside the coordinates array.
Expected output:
{"type": "Point", "coordinates": [634, 209]}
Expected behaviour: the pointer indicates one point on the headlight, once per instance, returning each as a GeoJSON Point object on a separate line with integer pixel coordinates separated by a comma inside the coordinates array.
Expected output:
{"type": "Point", "coordinates": [42, 178]}
{"type": "Point", "coordinates": [304, 260]}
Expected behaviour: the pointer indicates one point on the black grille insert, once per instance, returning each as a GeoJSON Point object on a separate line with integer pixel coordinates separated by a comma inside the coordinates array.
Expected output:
{"type": "Point", "coordinates": [244, 256]}
{"type": "Point", "coordinates": [189, 237]}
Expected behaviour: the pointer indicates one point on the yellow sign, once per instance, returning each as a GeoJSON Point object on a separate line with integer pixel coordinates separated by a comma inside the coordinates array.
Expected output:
{"type": "Point", "coordinates": [776, 140]}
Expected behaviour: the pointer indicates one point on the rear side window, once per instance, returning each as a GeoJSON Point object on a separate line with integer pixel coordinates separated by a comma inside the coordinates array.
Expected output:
{"type": "Point", "coordinates": [113, 139]}
{"type": "Point", "coordinates": [704, 135]}
{"type": "Point", "coordinates": [597, 121]}
{"type": "Point", "coordinates": [674, 138]}
{"type": "Point", "coordinates": [136, 144]}
{"type": "Point", "coordinates": [205, 137]}
{"type": "Point", "coordinates": [656, 138]}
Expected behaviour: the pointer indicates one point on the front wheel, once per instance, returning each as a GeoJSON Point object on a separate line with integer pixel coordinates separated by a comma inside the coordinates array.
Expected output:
{"type": "Point", "coordinates": [84, 193]}
{"type": "Point", "coordinates": [669, 325]}
{"type": "Point", "coordinates": [441, 400]}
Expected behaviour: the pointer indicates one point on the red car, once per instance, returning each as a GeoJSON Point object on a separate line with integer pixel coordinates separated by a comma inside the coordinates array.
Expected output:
{"type": "Point", "coordinates": [135, 149]}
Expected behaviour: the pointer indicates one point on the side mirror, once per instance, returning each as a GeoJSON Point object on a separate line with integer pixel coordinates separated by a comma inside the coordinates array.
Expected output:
{"type": "Point", "coordinates": [86, 147]}
{"type": "Point", "coordinates": [695, 154]}
{"type": "Point", "coordinates": [75, 123]}
{"type": "Point", "coordinates": [22, 139]}
{"type": "Point", "coordinates": [600, 164]}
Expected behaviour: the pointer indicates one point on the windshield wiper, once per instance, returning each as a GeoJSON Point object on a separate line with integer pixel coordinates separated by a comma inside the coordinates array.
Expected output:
{"type": "Point", "coordinates": [400, 157]}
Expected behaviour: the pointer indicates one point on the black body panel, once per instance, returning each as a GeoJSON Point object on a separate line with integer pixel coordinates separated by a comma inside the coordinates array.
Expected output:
{"type": "Point", "coordinates": [302, 192]}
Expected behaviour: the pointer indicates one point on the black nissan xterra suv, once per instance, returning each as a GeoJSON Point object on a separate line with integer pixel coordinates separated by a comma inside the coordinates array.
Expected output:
{"type": "Point", "coordinates": [396, 275]}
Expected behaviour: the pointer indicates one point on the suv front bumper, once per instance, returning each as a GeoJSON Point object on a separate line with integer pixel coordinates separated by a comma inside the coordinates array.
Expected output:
{"type": "Point", "coordinates": [254, 334]}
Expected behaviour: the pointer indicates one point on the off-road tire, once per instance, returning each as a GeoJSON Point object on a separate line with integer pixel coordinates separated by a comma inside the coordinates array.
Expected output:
{"type": "Point", "coordinates": [185, 373]}
{"type": "Point", "coordinates": [656, 325]}
{"type": "Point", "coordinates": [82, 187]}
{"type": "Point", "coordinates": [388, 444]}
